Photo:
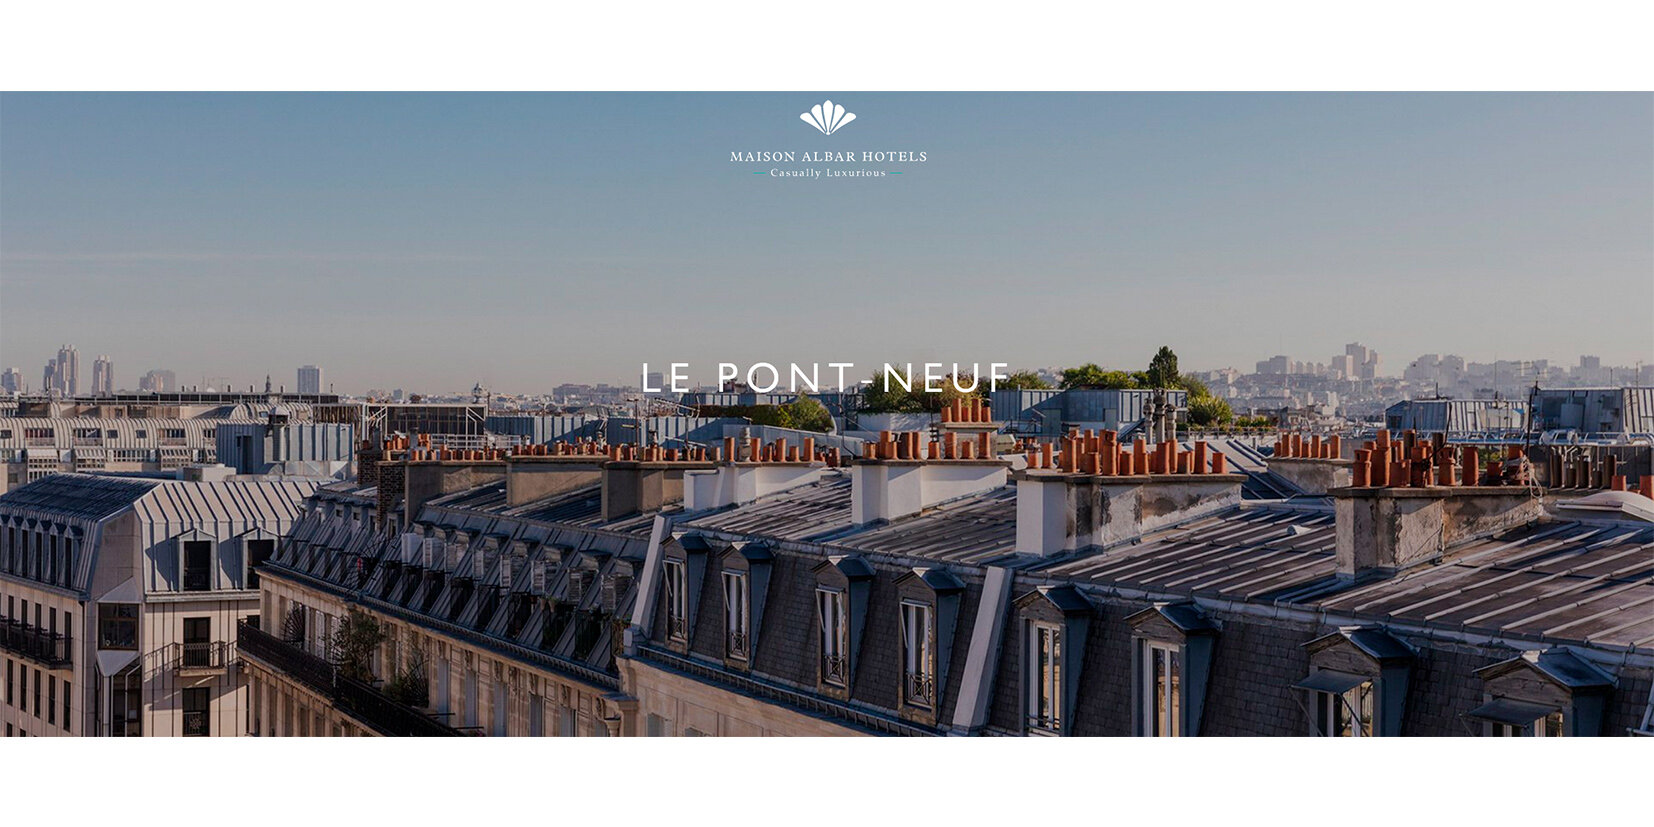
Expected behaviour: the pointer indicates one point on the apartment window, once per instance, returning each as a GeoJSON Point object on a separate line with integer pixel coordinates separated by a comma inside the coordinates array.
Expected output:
{"type": "Point", "coordinates": [502, 710]}
{"type": "Point", "coordinates": [172, 433]}
{"type": "Point", "coordinates": [1346, 714]}
{"type": "Point", "coordinates": [197, 641]}
{"type": "Point", "coordinates": [1044, 702]}
{"type": "Point", "coordinates": [918, 656]}
{"type": "Point", "coordinates": [23, 681]}
{"type": "Point", "coordinates": [657, 726]}
{"type": "Point", "coordinates": [677, 602]}
{"type": "Point", "coordinates": [67, 694]}
{"type": "Point", "coordinates": [197, 565]}
{"type": "Point", "coordinates": [536, 716]}
{"type": "Point", "coordinates": [117, 626]}
{"type": "Point", "coordinates": [736, 612]}
{"type": "Point", "coordinates": [835, 637]}
{"type": "Point", "coordinates": [10, 699]}
{"type": "Point", "coordinates": [258, 551]}
{"type": "Point", "coordinates": [126, 704]}
{"type": "Point", "coordinates": [567, 718]}
{"type": "Point", "coordinates": [37, 693]}
{"type": "Point", "coordinates": [1159, 689]}
{"type": "Point", "coordinates": [197, 721]}
{"type": "Point", "coordinates": [1549, 726]}
{"type": "Point", "coordinates": [470, 697]}
{"type": "Point", "coordinates": [51, 699]}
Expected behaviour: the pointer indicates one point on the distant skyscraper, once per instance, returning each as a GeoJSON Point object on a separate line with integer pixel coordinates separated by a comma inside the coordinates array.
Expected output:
{"type": "Point", "coordinates": [1366, 360]}
{"type": "Point", "coordinates": [12, 381]}
{"type": "Point", "coordinates": [310, 379]}
{"type": "Point", "coordinates": [158, 381]}
{"type": "Point", "coordinates": [103, 377]}
{"type": "Point", "coordinates": [68, 370]}
{"type": "Point", "coordinates": [48, 380]}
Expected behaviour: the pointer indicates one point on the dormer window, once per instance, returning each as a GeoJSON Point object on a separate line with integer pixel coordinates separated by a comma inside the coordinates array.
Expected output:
{"type": "Point", "coordinates": [834, 624]}
{"type": "Point", "coordinates": [1357, 683]}
{"type": "Point", "coordinates": [1549, 724]}
{"type": "Point", "coordinates": [928, 599]}
{"type": "Point", "coordinates": [1159, 691]}
{"type": "Point", "coordinates": [1346, 714]}
{"type": "Point", "coordinates": [1544, 694]}
{"type": "Point", "coordinates": [1054, 621]}
{"type": "Point", "coordinates": [843, 586]}
{"type": "Point", "coordinates": [677, 601]}
{"type": "Point", "coordinates": [683, 575]}
{"type": "Point", "coordinates": [1044, 704]}
{"type": "Point", "coordinates": [918, 654]}
{"type": "Point", "coordinates": [737, 611]}
{"type": "Point", "coordinates": [1172, 648]}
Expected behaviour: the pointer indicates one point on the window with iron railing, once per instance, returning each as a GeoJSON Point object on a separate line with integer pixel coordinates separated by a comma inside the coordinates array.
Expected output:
{"type": "Point", "coordinates": [918, 655]}
{"type": "Point", "coordinates": [830, 619]}
{"type": "Point", "coordinates": [197, 717]}
{"type": "Point", "coordinates": [677, 602]}
{"type": "Point", "coordinates": [736, 613]}
{"type": "Point", "coordinates": [1044, 648]}
{"type": "Point", "coordinates": [197, 647]}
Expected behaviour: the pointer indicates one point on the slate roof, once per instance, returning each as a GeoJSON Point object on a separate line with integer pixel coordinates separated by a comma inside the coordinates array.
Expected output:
{"type": "Point", "coordinates": [807, 512]}
{"type": "Point", "coordinates": [1575, 582]}
{"type": "Point", "coordinates": [578, 507]}
{"type": "Point", "coordinates": [970, 531]}
{"type": "Point", "coordinates": [77, 496]}
{"type": "Point", "coordinates": [1245, 552]}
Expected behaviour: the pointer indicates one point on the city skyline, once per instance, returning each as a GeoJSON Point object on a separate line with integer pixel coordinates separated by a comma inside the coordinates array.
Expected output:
{"type": "Point", "coordinates": [1381, 367]}
{"type": "Point", "coordinates": [519, 240]}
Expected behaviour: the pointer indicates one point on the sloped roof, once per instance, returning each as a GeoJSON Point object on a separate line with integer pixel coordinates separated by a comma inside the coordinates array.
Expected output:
{"type": "Point", "coordinates": [1566, 581]}
{"type": "Point", "coordinates": [1243, 552]}
{"type": "Point", "coordinates": [78, 496]}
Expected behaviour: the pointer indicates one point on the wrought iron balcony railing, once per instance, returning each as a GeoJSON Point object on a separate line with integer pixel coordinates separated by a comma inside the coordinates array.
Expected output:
{"type": "Point", "coordinates": [361, 700]}
{"type": "Point", "coordinates": [34, 643]}
{"type": "Point", "coordinates": [735, 644]}
{"type": "Point", "coordinates": [202, 657]}
{"type": "Point", "coordinates": [835, 669]}
{"type": "Point", "coordinates": [919, 689]}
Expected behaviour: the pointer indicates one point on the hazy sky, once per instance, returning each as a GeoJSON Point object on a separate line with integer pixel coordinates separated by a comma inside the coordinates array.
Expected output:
{"type": "Point", "coordinates": [432, 241]}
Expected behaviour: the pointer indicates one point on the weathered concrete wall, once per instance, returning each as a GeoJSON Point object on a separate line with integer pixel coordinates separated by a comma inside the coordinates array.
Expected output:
{"type": "Point", "coordinates": [1059, 512]}
{"type": "Point", "coordinates": [534, 478]}
{"type": "Point", "coordinates": [431, 479]}
{"type": "Point", "coordinates": [1392, 528]}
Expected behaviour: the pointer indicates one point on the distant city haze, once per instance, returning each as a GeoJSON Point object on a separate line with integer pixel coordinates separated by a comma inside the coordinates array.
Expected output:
{"type": "Point", "coordinates": [431, 242]}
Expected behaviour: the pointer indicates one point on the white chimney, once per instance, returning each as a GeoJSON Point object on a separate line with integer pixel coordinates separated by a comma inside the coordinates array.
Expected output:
{"type": "Point", "coordinates": [887, 489]}
{"type": "Point", "coordinates": [738, 483]}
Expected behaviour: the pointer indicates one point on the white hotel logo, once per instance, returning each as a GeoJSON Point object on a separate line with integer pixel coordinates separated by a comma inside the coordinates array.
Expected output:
{"type": "Point", "coordinates": [827, 117]}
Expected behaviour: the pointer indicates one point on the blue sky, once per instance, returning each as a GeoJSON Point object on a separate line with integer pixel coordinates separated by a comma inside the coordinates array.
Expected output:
{"type": "Point", "coordinates": [431, 241]}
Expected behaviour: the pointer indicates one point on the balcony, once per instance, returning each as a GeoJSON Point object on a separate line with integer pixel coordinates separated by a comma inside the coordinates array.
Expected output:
{"type": "Point", "coordinates": [36, 644]}
{"type": "Point", "coordinates": [358, 699]}
{"type": "Point", "coordinates": [201, 659]}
